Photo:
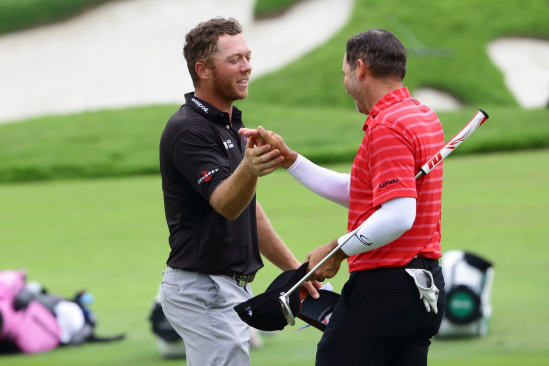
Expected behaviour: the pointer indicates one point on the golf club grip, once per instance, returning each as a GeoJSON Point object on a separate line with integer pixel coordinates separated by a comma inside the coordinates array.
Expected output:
{"type": "Point", "coordinates": [465, 132]}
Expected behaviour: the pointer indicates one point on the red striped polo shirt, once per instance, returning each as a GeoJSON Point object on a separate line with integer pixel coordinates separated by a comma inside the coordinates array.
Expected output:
{"type": "Point", "coordinates": [401, 135]}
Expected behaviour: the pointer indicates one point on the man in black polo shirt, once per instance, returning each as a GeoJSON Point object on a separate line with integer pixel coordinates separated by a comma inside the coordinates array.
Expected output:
{"type": "Point", "coordinates": [209, 175]}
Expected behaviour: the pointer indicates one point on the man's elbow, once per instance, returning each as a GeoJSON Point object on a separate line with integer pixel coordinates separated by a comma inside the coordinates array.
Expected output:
{"type": "Point", "coordinates": [402, 222]}
{"type": "Point", "coordinates": [230, 215]}
{"type": "Point", "coordinates": [405, 222]}
{"type": "Point", "coordinates": [407, 225]}
{"type": "Point", "coordinates": [224, 207]}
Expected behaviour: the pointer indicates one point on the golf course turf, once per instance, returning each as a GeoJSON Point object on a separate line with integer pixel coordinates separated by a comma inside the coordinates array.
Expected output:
{"type": "Point", "coordinates": [109, 236]}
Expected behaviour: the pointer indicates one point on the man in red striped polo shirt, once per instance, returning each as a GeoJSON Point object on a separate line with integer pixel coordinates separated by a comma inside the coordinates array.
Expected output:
{"type": "Point", "coordinates": [393, 221]}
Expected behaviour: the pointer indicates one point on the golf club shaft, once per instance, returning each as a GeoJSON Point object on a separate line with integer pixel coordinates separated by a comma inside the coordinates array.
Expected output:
{"type": "Point", "coordinates": [465, 132]}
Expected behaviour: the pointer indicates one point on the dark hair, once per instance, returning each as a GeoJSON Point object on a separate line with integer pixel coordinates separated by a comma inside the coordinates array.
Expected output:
{"type": "Point", "coordinates": [380, 50]}
{"type": "Point", "coordinates": [201, 42]}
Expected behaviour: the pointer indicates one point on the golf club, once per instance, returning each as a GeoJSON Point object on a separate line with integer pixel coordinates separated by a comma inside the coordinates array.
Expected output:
{"type": "Point", "coordinates": [465, 132]}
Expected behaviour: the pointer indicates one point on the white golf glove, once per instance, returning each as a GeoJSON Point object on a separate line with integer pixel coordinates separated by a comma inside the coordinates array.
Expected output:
{"type": "Point", "coordinates": [428, 292]}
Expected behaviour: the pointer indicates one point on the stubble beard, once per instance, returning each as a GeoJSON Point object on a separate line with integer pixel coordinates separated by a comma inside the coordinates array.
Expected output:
{"type": "Point", "coordinates": [226, 88]}
{"type": "Point", "coordinates": [355, 94]}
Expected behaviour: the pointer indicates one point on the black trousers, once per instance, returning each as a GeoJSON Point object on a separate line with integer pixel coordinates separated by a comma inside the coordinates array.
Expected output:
{"type": "Point", "coordinates": [380, 320]}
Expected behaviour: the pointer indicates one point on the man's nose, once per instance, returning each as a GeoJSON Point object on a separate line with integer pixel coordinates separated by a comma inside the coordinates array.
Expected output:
{"type": "Point", "coordinates": [246, 66]}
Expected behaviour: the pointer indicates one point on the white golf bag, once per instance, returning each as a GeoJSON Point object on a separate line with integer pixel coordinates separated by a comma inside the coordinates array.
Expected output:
{"type": "Point", "coordinates": [469, 281]}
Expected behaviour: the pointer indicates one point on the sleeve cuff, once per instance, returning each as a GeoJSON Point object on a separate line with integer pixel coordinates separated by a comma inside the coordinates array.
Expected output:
{"type": "Point", "coordinates": [295, 165]}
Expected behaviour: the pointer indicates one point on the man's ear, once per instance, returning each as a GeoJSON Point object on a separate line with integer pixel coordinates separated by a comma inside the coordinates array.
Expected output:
{"type": "Point", "coordinates": [360, 69]}
{"type": "Point", "coordinates": [202, 70]}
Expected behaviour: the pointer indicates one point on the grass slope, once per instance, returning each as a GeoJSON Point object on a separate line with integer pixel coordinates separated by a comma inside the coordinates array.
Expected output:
{"type": "Point", "coordinates": [305, 102]}
{"type": "Point", "coordinates": [20, 14]}
{"type": "Point", "coordinates": [125, 142]}
{"type": "Point", "coordinates": [110, 237]}
{"type": "Point", "coordinates": [269, 8]}
{"type": "Point", "coordinates": [462, 27]}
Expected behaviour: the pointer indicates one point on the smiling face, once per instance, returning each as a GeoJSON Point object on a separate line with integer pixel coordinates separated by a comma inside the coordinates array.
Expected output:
{"type": "Point", "coordinates": [232, 68]}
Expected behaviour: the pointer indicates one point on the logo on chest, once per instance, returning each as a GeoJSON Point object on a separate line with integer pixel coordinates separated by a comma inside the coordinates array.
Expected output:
{"type": "Point", "coordinates": [385, 184]}
{"type": "Point", "coordinates": [228, 144]}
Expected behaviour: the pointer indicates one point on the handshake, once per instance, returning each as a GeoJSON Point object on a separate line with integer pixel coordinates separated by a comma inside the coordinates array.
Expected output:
{"type": "Point", "coordinates": [266, 151]}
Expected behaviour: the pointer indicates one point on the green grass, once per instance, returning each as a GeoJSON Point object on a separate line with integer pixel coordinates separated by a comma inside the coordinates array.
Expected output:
{"type": "Point", "coordinates": [125, 142]}
{"type": "Point", "coordinates": [462, 27]}
{"type": "Point", "coordinates": [305, 102]}
{"type": "Point", "coordinates": [266, 8]}
{"type": "Point", "coordinates": [20, 14]}
{"type": "Point", "coordinates": [110, 237]}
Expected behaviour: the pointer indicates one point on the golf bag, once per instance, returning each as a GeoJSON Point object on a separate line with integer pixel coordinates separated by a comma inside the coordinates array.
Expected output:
{"type": "Point", "coordinates": [469, 281]}
{"type": "Point", "coordinates": [32, 329]}
{"type": "Point", "coordinates": [33, 321]}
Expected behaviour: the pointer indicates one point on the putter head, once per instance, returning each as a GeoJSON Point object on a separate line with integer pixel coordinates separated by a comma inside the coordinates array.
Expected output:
{"type": "Point", "coordinates": [286, 310]}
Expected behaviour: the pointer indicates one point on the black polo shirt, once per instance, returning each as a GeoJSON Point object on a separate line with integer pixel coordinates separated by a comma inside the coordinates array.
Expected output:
{"type": "Point", "coordinates": [199, 149]}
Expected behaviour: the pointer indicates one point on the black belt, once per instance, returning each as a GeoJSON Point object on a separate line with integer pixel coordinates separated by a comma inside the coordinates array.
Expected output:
{"type": "Point", "coordinates": [422, 263]}
{"type": "Point", "coordinates": [240, 278]}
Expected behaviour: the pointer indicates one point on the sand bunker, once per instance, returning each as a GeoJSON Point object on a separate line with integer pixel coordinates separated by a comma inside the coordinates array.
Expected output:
{"type": "Point", "coordinates": [525, 66]}
{"type": "Point", "coordinates": [436, 100]}
{"type": "Point", "coordinates": [128, 52]}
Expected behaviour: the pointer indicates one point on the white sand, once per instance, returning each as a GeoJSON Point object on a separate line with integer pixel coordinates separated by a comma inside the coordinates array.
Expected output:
{"type": "Point", "coordinates": [437, 100]}
{"type": "Point", "coordinates": [525, 66]}
{"type": "Point", "coordinates": [128, 52]}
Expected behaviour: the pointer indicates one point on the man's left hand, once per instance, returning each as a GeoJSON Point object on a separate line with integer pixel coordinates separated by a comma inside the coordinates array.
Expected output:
{"type": "Point", "coordinates": [330, 268]}
{"type": "Point", "coordinates": [309, 288]}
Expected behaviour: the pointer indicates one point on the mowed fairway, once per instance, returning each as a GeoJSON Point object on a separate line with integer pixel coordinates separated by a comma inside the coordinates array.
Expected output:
{"type": "Point", "coordinates": [109, 236]}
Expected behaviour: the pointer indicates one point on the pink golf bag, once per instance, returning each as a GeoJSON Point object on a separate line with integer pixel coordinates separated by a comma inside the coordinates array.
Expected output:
{"type": "Point", "coordinates": [32, 329]}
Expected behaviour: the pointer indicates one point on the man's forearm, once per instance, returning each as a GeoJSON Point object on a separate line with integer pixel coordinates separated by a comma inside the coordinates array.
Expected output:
{"type": "Point", "coordinates": [234, 194]}
{"type": "Point", "coordinates": [270, 244]}
{"type": "Point", "coordinates": [326, 183]}
{"type": "Point", "coordinates": [393, 219]}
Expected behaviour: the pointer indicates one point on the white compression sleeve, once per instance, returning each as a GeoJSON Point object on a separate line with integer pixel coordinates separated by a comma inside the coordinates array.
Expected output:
{"type": "Point", "coordinates": [394, 218]}
{"type": "Point", "coordinates": [326, 183]}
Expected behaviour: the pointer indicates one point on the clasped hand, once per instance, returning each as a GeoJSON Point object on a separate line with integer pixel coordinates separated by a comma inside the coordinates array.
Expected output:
{"type": "Point", "coordinates": [261, 159]}
{"type": "Point", "coordinates": [262, 137]}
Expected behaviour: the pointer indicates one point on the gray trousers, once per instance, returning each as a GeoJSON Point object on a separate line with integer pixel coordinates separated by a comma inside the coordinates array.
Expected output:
{"type": "Point", "coordinates": [200, 308]}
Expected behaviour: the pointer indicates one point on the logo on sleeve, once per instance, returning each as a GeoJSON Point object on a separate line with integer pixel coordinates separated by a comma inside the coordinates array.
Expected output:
{"type": "Point", "coordinates": [392, 181]}
{"type": "Point", "coordinates": [228, 144]}
{"type": "Point", "coordinates": [206, 175]}
{"type": "Point", "coordinates": [364, 240]}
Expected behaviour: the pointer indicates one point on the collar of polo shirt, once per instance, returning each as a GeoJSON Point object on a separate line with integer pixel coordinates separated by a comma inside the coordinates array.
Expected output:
{"type": "Point", "coordinates": [209, 111]}
{"type": "Point", "coordinates": [393, 97]}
